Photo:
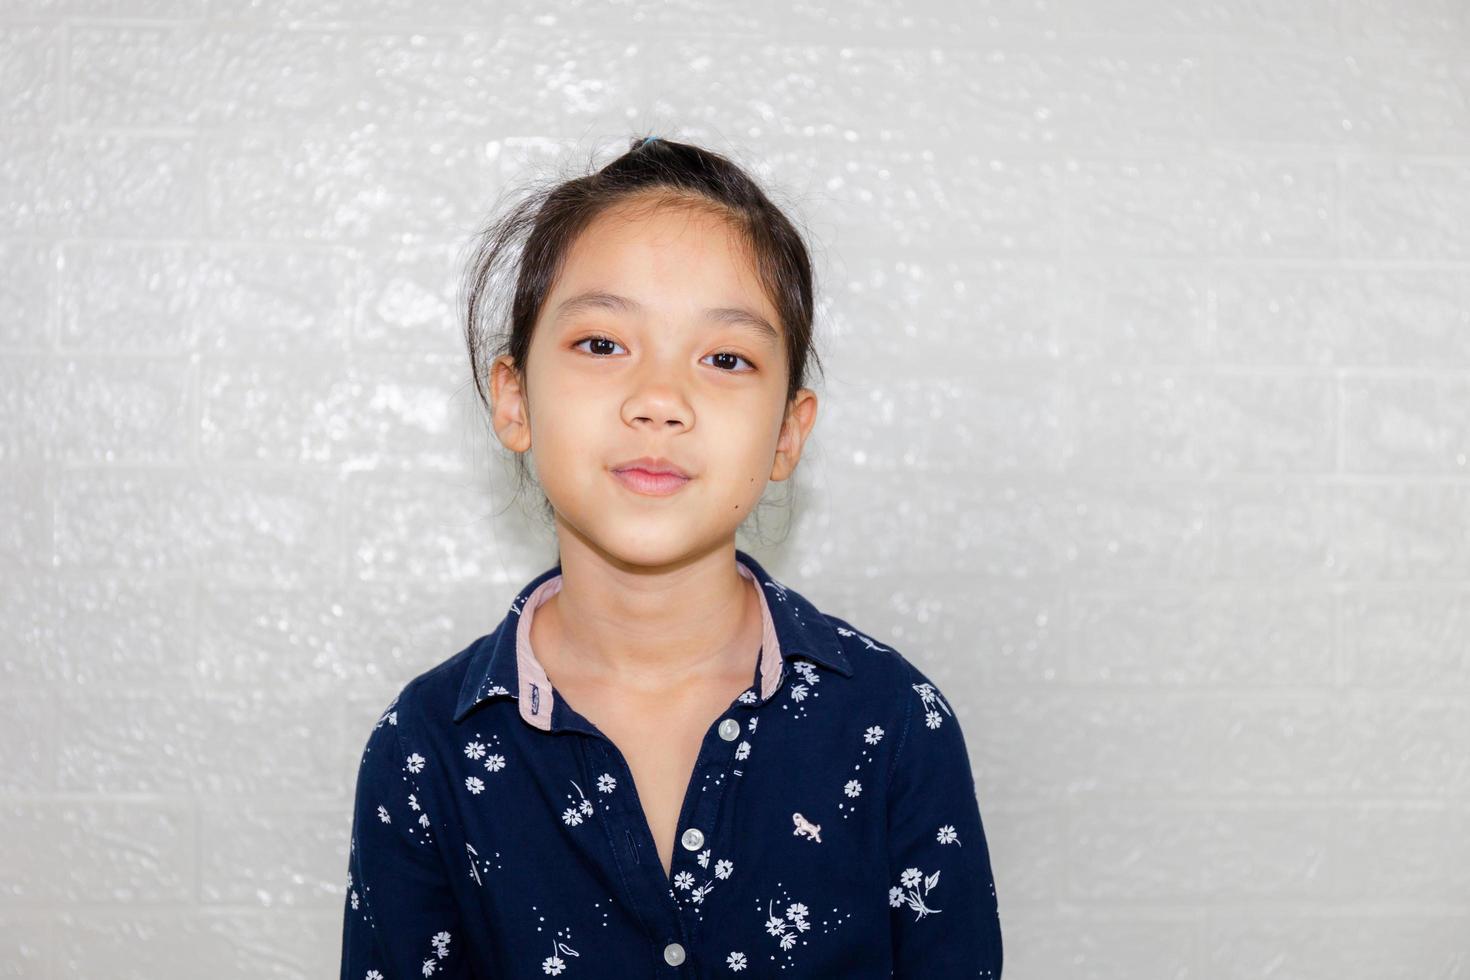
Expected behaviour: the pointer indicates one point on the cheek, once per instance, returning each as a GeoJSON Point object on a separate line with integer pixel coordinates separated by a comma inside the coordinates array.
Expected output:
{"type": "Point", "coordinates": [744, 457]}
{"type": "Point", "coordinates": [557, 406]}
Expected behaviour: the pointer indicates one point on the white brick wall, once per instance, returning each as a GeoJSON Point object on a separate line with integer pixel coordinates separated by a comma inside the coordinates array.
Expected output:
{"type": "Point", "coordinates": [1147, 328]}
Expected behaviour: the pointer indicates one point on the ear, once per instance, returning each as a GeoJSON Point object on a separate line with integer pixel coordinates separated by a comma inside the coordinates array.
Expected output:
{"type": "Point", "coordinates": [509, 414]}
{"type": "Point", "coordinates": [801, 415]}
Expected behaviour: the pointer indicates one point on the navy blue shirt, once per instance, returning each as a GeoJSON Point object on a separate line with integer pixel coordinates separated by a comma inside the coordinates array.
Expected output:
{"type": "Point", "coordinates": [830, 827]}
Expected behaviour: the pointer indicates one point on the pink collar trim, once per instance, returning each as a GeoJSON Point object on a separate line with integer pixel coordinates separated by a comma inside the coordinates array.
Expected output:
{"type": "Point", "coordinates": [536, 697]}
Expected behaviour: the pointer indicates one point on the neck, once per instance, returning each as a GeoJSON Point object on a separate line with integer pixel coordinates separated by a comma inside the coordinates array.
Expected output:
{"type": "Point", "coordinates": [650, 628]}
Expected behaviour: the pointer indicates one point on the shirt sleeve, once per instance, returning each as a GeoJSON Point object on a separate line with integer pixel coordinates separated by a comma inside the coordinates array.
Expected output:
{"type": "Point", "coordinates": [943, 910]}
{"type": "Point", "coordinates": [401, 920]}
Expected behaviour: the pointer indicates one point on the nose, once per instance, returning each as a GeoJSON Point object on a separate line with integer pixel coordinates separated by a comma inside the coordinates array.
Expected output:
{"type": "Point", "coordinates": [659, 405]}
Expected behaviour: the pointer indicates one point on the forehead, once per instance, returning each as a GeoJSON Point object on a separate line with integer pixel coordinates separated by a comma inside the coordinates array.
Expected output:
{"type": "Point", "coordinates": [670, 255]}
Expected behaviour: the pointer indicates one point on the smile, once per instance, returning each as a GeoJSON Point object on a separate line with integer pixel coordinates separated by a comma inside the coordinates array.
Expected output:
{"type": "Point", "coordinates": [650, 484]}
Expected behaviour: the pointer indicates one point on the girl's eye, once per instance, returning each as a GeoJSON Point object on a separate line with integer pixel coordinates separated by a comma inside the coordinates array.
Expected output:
{"type": "Point", "coordinates": [725, 353]}
{"type": "Point", "coordinates": [599, 339]}
{"type": "Point", "coordinates": [594, 339]}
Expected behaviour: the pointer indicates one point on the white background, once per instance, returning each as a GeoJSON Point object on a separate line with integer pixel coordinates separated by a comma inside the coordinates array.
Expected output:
{"type": "Point", "coordinates": [1145, 432]}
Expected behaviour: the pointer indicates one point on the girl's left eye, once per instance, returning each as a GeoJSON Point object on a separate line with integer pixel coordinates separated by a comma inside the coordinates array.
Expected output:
{"type": "Point", "coordinates": [599, 339]}
{"type": "Point", "coordinates": [726, 353]}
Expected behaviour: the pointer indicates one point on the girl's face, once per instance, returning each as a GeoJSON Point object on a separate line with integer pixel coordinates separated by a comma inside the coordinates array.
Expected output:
{"type": "Point", "coordinates": [651, 343]}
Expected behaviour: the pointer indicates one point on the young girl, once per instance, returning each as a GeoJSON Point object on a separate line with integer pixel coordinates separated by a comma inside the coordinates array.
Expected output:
{"type": "Point", "coordinates": [663, 762]}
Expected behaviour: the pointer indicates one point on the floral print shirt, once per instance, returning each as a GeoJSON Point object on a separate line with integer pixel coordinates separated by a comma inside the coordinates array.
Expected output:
{"type": "Point", "coordinates": [830, 827]}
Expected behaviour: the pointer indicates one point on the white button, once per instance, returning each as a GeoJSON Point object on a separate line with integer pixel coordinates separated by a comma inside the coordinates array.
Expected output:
{"type": "Point", "coordinates": [729, 729]}
{"type": "Point", "coordinates": [673, 954]}
{"type": "Point", "coordinates": [693, 839]}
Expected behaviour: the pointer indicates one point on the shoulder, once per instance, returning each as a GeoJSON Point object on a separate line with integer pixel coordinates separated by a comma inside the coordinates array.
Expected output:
{"type": "Point", "coordinates": [886, 678]}
{"type": "Point", "coordinates": [878, 666]}
{"type": "Point", "coordinates": [427, 701]}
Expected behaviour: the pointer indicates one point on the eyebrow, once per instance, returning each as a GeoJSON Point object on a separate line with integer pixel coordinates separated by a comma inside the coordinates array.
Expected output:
{"type": "Point", "coordinates": [599, 299]}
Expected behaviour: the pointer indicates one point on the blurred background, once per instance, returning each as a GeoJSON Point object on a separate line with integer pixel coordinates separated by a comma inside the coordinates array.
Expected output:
{"type": "Point", "coordinates": [1145, 431]}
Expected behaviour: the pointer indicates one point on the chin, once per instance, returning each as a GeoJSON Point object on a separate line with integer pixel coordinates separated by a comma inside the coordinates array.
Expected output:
{"type": "Point", "coordinates": [649, 543]}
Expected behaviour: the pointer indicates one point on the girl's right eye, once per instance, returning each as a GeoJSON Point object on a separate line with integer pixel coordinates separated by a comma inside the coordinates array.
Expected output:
{"type": "Point", "coordinates": [595, 338]}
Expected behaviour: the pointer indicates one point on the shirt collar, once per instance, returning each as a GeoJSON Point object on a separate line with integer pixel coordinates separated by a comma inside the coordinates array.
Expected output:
{"type": "Point", "coordinates": [503, 665]}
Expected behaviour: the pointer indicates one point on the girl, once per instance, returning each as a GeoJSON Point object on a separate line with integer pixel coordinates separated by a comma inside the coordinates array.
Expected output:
{"type": "Point", "coordinates": [663, 761]}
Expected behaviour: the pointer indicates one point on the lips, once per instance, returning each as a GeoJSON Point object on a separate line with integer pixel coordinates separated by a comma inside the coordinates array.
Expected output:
{"type": "Point", "coordinates": [651, 476]}
{"type": "Point", "coordinates": [651, 464]}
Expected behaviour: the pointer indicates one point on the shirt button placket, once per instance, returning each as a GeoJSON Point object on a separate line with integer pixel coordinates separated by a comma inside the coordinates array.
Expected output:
{"type": "Point", "coordinates": [712, 767]}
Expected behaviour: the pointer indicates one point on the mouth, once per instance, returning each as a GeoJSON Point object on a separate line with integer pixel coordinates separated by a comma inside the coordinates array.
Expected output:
{"type": "Point", "coordinates": [650, 483]}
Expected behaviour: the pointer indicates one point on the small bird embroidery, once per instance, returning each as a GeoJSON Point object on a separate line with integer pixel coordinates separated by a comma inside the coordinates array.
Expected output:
{"type": "Point", "coordinates": [805, 826]}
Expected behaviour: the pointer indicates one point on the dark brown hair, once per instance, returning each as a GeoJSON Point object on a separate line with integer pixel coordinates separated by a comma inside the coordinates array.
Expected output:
{"type": "Point", "coordinates": [517, 256]}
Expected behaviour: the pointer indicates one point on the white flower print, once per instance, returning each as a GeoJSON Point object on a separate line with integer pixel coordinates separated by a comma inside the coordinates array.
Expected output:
{"type": "Point", "coordinates": [798, 692]}
{"type": "Point", "coordinates": [910, 880]}
{"type": "Point", "coordinates": [474, 750]}
{"type": "Point", "coordinates": [853, 787]}
{"type": "Point", "coordinates": [868, 641]}
{"type": "Point", "coordinates": [873, 735]}
{"type": "Point", "coordinates": [474, 856]}
{"type": "Point", "coordinates": [947, 835]}
{"type": "Point", "coordinates": [748, 697]}
{"type": "Point", "coordinates": [554, 964]}
{"type": "Point", "coordinates": [751, 724]}
{"type": "Point", "coordinates": [383, 814]}
{"type": "Point", "coordinates": [416, 763]}
{"type": "Point", "coordinates": [574, 814]}
{"type": "Point", "coordinates": [685, 879]}
{"type": "Point", "coordinates": [440, 944]}
{"type": "Point", "coordinates": [607, 782]}
{"type": "Point", "coordinates": [496, 689]}
{"type": "Point", "coordinates": [474, 784]}
{"type": "Point", "coordinates": [413, 801]}
{"type": "Point", "coordinates": [931, 697]}
{"type": "Point", "coordinates": [742, 750]}
{"type": "Point", "coordinates": [389, 715]}
{"type": "Point", "coordinates": [423, 819]}
{"type": "Point", "coordinates": [373, 975]}
{"type": "Point", "coordinates": [735, 961]}
{"type": "Point", "coordinates": [354, 898]}
{"type": "Point", "coordinates": [494, 763]}
{"type": "Point", "coordinates": [807, 671]}
{"type": "Point", "coordinates": [787, 931]}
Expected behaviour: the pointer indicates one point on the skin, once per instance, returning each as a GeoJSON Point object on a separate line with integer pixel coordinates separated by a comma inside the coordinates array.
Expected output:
{"type": "Point", "coordinates": [651, 602]}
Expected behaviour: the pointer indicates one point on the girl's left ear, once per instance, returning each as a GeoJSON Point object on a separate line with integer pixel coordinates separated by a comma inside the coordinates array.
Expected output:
{"type": "Point", "coordinates": [796, 425]}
